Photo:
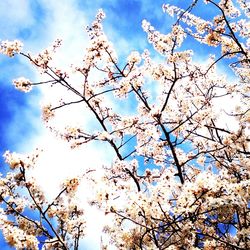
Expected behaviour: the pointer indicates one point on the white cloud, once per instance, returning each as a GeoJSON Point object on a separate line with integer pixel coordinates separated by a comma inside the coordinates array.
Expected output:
{"type": "Point", "coordinates": [14, 15]}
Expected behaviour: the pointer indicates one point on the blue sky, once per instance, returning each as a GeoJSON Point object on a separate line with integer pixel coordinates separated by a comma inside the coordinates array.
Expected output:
{"type": "Point", "coordinates": [38, 23]}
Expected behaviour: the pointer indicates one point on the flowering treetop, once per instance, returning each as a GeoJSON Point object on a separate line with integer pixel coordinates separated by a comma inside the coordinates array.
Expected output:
{"type": "Point", "coordinates": [180, 176]}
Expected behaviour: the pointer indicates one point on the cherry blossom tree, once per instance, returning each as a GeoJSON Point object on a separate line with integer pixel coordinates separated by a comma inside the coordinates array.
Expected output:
{"type": "Point", "coordinates": [180, 177]}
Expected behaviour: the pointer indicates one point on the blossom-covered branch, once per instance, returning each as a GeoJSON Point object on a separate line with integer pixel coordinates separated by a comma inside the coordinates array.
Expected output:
{"type": "Point", "coordinates": [180, 175]}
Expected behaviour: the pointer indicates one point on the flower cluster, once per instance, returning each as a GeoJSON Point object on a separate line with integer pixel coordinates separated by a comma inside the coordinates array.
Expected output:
{"type": "Point", "coordinates": [100, 50]}
{"type": "Point", "coordinates": [10, 48]}
{"type": "Point", "coordinates": [23, 84]}
{"type": "Point", "coordinates": [15, 160]}
{"type": "Point", "coordinates": [47, 112]}
{"type": "Point", "coordinates": [161, 42]}
{"type": "Point", "coordinates": [134, 57]}
{"type": "Point", "coordinates": [71, 185]}
{"type": "Point", "coordinates": [42, 59]}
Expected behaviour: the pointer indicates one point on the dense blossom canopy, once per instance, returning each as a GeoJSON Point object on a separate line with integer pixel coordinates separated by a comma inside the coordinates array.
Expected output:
{"type": "Point", "coordinates": [180, 178]}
